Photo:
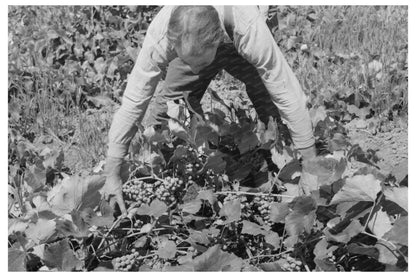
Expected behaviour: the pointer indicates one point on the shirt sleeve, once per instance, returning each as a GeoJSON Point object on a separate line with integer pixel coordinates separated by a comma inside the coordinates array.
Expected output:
{"type": "Point", "coordinates": [258, 47]}
{"type": "Point", "coordinates": [141, 85]}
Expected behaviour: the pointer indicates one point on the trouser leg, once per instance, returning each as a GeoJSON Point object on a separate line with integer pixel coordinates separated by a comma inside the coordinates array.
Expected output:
{"type": "Point", "coordinates": [241, 69]}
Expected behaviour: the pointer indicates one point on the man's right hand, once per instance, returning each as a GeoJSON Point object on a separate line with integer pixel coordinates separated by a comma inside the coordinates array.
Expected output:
{"type": "Point", "coordinates": [112, 189]}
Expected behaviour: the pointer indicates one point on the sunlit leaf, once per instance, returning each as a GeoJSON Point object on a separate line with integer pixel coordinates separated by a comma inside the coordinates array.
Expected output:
{"type": "Point", "coordinates": [216, 260]}
{"type": "Point", "coordinates": [166, 249]}
{"type": "Point", "coordinates": [358, 188]}
{"type": "Point", "coordinates": [17, 260]}
{"type": "Point", "coordinates": [397, 195]}
{"type": "Point", "coordinates": [380, 223]}
{"type": "Point", "coordinates": [399, 232]}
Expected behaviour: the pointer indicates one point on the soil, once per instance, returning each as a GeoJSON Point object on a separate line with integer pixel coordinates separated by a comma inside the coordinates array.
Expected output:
{"type": "Point", "coordinates": [390, 144]}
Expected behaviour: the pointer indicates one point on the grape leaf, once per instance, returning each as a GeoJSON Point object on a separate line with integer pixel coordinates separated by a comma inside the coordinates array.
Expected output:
{"type": "Point", "coordinates": [322, 251]}
{"type": "Point", "coordinates": [386, 254]}
{"type": "Point", "coordinates": [178, 130]}
{"type": "Point", "coordinates": [397, 195]}
{"type": "Point", "coordinates": [252, 228]}
{"type": "Point", "coordinates": [231, 210]}
{"type": "Point", "coordinates": [215, 162]}
{"type": "Point", "coordinates": [41, 231]}
{"type": "Point", "coordinates": [75, 192]}
{"type": "Point", "coordinates": [290, 171]}
{"type": "Point", "coordinates": [350, 231]}
{"type": "Point", "coordinates": [146, 228]}
{"type": "Point", "coordinates": [173, 110]}
{"type": "Point", "coordinates": [328, 170]}
{"type": "Point", "coordinates": [296, 224]}
{"type": "Point", "coordinates": [324, 265]}
{"type": "Point", "coordinates": [303, 205]}
{"type": "Point", "coordinates": [358, 188]}
{"type": "Point", "coordinates": [273, 239]}
{"type": "Point", "coordinates": [17, 260]}
{"type": "Point", "coordinates": [271, 267]}
{"type": "Point", "coordinates": [156, 209]}
{"type": "Point", "coordinates": [362, 249]}
{"type": "Point", "coordinates": [59, 255]}
{"type": "Point", "coordinates": [166, 249]}
{"type": "Point", "coordinates": [216, 260]}
{"type": "Point", "coordinates": [52, 158]}
{"type": "Point", "coordinates": [399, 232]}
{"type": "Point", "coordinates": [17, 225]}
{"type": "Point", "coordinates": [380, 223]}
{"type": "Point", "coordinates": [278, 211]}
{"type": "Point", "coordinates": [200, 237]}
{"type": "Point", "coordinates": [192, 207]}
{"type": "Point", "coordinates": [209, 196]}
{"type": "Point", "coordinates": [35, 176]}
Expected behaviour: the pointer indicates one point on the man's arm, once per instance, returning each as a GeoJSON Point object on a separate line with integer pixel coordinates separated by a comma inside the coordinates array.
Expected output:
{"type": "Point", "coordinates": [256, 44]}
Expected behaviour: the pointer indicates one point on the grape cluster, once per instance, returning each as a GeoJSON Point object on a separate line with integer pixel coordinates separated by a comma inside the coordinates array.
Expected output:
{"type": "Point", "coordinates": [289, 263]}
{"type": "Point", "coordinates": [263, 206]}
{"type": "Point", "coordinates": [126, 262]}
{"type": "Point", "coordinates": [144, 193]}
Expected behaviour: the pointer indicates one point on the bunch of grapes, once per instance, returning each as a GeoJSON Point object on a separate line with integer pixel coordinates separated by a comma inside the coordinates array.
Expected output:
{"type": "Point", "coordinates": [126, 262]}
{"type": "Point", "coordinates": [263, 206]}
{"type": "Point", "coordinates": [138, 191]}
{"type": "Point", "coordinates": [141, 192]}
{"type": "Point", "coordinates": [165, 191]}
{"type": "Point", "coordinates": [289, 263]}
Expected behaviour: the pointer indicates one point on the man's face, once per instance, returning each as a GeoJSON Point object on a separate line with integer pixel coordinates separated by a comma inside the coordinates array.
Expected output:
{"type": "Point", "coordinates": [199, 62]}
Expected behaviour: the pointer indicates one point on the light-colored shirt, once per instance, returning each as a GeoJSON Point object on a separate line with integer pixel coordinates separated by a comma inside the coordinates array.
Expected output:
{"type": "Point", "coordinates": [252, 40]}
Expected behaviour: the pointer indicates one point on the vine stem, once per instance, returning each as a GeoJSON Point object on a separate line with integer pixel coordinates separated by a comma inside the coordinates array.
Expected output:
{"type": "Point", "coordinates": [254, 194]}
{"type": "Point", "coordinates": [271, 255]}
{"type": "Point", "coordinates": [109, 231]}
{"type": "Point", "coordinates": [390, 243]}
{"type": "Point", "coordinates": [144, 178]}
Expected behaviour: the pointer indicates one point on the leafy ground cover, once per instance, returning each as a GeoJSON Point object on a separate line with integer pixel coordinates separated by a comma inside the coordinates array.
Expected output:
{"type": "Point", "coordinates": [224, 192]}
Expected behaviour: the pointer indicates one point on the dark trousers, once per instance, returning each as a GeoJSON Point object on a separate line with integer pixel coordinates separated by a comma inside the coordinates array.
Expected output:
{"type": "Point", "coordinates": [180, 79]}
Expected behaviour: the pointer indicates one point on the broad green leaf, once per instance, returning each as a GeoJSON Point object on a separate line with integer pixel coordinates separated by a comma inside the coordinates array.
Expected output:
{"type": "Point", "coordinates": [271, 267]}
{"type": "Point", "coordinates": [296, 224]}
{"type": "Point", "coordinates": [200, 237]}
{"type": "Point", "coordinates": [328, 170]}
{"type": "Point", "coordinates": [386, 253]}
{"type": "Point", "coordinates": [278, 211]}
{"type": "Point", "coordinates": [324, 265]}
{"type": "Point", "coordinates": [17, 225]}
{"type": "Point", "coordinates": [350, 231]}
{"type": "Point", "coordinates": [35, 176]}
{"type": "Point", "coordinates": [76, 193]}
{"type": "Point", "coordinates": [303, 205]}
{"type": "Point", "coordinates": [166, 249]}
{"type": "Point", "coordinates": [380, 223]}
{"type": "Point", "coordinates": [209, 196]}
{"type": "Point", "coordinates": [41, 231]}
{"type": "Point", "coordinates": [323, 250]}
{"type": "Point", "coordinates": [399, 232]}
{"type": "Point", "coordinates": [215, 162]}
{"type": "Point", "coordinates": [156, 209]}
{"type": "Point", "coordinates": [59, 255]}
{"type": "Point", "coordinates": [17, 260]}
{"type": "Point", "coordinates": [192, 207]}
{"type": "Point", "coordinates": [231, 210]}
{"type": "Point", "coordinates": [216, 260]}
{"type": "Point", "coordinates": [52, 158]}
{"type": "Point", "coordinates": [397, 195]}
{"type": "Point", "coordinates": [178, 130]}
{"type": "Point", "coordinates": [358, 188]}
{"type": "Point", "coordinates": [362, 249]}
{"type": "Point", "coordinates": [290, 172]}
{"type": "Point", "coordinates": [173, 110]}
{"type": "Point", "coordinates": [273, 239]}
{"type": "Point", "coordinates": [252, 228]}
{"type": "Point", "coordinates": [146, 228]}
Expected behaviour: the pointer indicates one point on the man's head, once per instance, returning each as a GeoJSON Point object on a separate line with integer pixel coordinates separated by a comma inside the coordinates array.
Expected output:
{"type": "Point", "coordinates": [195, 32]}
